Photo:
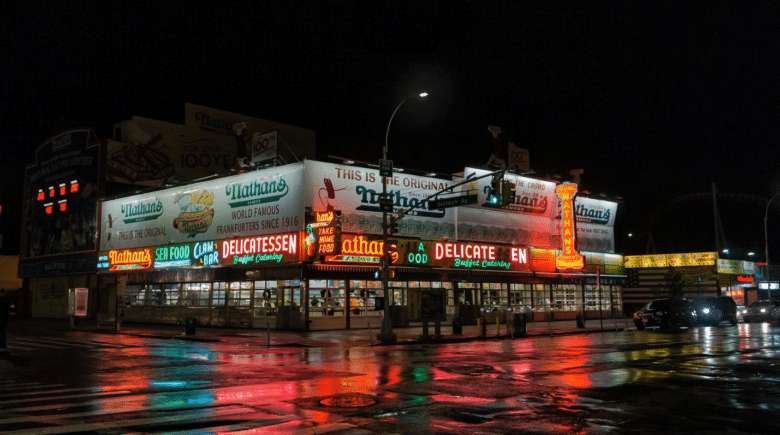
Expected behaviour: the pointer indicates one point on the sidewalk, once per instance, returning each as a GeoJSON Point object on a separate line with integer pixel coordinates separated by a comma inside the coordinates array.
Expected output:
{"type": "Point", "coordinates": [335, 338]}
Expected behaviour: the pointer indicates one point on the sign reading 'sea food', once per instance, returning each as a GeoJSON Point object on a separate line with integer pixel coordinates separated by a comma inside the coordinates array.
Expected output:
{"type": "Point", "coordinates": [252, 204]}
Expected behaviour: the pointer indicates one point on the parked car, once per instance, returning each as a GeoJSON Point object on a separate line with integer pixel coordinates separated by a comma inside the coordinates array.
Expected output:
{"type": "Point", "coordinates": [762, 311]}
{"type": "Point", "coordinates": [666, 313]}
{"type": "Point", "coordinates": [728, 308]}
{"type": "Point", "coordinates": [712, 311]}
{"type": "Point", "coordinates": [741, 310]}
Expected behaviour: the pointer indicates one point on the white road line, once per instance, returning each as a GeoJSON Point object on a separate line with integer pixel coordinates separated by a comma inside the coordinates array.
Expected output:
{"type": "Point", "coordinates": [66, 396]}
{"type": "Point", "coordinates": [28, 386]}
{"type": "Point", "coordinates": [29, 342]}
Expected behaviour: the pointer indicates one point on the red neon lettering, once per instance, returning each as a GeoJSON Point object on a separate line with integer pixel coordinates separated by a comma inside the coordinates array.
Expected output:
{"type": "Point", "coordinates": [464, 250]}
{"type": "Point", "coordinates": [569, 258]}
{"type": "Point", "coordinates": [360, 245]}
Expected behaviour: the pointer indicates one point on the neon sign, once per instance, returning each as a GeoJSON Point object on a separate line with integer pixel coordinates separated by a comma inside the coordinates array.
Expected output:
{"type": "Point", "coordinates": [360, 249]}
{"type": "Point", "coordinates": [261, 249]}
{"type": "Point", "coordinates": [324, 234]}
{"type": "Point", "coordinates": [745, 279]}
{"type": "Point", "coordinates": [463, 255]}
{"type": "Point", "coordinates": [206, 253]}
{"type": "Point", "coordinates": [172, 256]}
{"type": "Point", "coordinates": [130, 259]}
{"type": "Point", "coordinates": [569, 258]}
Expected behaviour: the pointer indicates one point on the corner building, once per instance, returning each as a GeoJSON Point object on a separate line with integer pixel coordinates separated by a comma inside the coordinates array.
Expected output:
{"type": "Point", "coordinates": [299, 247]}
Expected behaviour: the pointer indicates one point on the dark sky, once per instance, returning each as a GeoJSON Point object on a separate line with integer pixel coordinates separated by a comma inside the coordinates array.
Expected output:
{"type": "Point", "coordinates": [654, 100]}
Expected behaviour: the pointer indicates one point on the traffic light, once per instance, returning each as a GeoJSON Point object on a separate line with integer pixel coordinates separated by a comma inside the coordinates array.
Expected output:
{"type": "Point", "coordinates": [494, 197]}
{"type": "Point", "coordinates": [507, 193]}
{"type": "Point", "coordinates": [393, 225]}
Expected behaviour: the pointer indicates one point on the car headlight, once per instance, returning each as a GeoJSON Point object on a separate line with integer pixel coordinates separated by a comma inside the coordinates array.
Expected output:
{"type": "Point", "coordinates": [705, 311]}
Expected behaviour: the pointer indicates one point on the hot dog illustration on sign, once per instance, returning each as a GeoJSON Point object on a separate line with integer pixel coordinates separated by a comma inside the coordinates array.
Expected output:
{"type": "Point", "coordinates": [569, 258]}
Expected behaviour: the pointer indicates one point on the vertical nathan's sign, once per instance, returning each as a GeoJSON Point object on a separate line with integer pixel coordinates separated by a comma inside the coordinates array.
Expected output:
{"type": "Point", "coordinates": [569, 258]}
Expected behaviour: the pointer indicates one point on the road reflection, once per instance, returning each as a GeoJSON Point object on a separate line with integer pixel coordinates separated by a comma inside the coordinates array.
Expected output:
{"type": "Point", "coordinates": [436, 386]}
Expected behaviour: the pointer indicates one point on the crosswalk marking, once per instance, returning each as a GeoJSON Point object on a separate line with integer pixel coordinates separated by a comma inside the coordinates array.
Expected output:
{"type": "Point", "coordinates": [181, 415]}
{"type": "Point", "coordinates": [39, 408]}
{"type": "Point", "coordinates": [66, 396]}
{"type": "Point", "coordinates": [30, 343]}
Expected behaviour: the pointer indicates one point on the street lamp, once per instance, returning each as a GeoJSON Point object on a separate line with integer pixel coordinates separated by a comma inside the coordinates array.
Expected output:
{"type": "Point", "coordinates": [387, 334]}
{"type": "Point", "coordinates": [766, 244]}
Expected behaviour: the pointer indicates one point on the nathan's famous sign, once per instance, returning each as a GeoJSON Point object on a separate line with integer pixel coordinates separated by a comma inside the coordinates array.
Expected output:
{"type": "Point", "coordinates": [256, 203]}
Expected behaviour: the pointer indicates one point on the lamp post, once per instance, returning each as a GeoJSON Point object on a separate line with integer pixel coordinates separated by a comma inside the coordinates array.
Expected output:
{"type": "Point", "coordinates": [766, 244]}
{"type": "Point", "coordinates": [387, 335]}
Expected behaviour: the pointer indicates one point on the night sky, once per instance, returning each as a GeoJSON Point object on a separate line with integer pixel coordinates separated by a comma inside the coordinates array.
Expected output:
{"type": "Point", "coordinates": [655, 100]}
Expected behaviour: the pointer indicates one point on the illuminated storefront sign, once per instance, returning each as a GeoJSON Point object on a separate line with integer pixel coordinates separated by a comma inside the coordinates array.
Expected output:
{"type": "Point", "coordinates": [279, 248]}
{"type": "Point", "coordinates": [672, 260]}
{"type": "Point", "coordinates": [357, 248]}
{"type": "Point", "coordinates": [569, 258]}
{"type": "Point", "coordinates": [258, 250]}
{"type": "Point", "coordinates": [323, 234]}
{"type": "Point", "coordinates": [172, 256]}
{"type": "Point", "coordinates": [462, 255]}
{"type": "Point", "coordinates": [126, 259]}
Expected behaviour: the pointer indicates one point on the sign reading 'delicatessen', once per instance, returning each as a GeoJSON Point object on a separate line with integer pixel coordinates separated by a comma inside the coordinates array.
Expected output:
{"type": "Point", "coordinates": [357, 191]}
{"type": "Point", "coordinates": [256, 203]}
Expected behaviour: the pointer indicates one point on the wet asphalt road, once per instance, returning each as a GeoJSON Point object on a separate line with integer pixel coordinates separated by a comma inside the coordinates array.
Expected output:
{"type": "Point", "coordinates": [702, 380]}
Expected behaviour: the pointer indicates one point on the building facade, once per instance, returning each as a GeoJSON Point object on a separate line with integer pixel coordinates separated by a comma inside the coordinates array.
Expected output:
{"type": "Point", "coordinates": [300, 247]}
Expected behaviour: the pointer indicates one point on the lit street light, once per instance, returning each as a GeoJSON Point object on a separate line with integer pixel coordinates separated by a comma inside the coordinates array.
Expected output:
{"type": "Point", "coordinates": [387, 334]}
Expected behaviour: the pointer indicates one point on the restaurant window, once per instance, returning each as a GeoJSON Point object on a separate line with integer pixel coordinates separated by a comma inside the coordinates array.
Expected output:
{"type": "Point", "coordinates": [494, 296]}
{"type": "Point", "coordinates": [327, 297]}
{"type": "Point", "coordinates": [135, 295]}
{"type": "Point", "coordinates": [240, 294]}
{"type": "Point", "coordinates": [171, 294]}
{"type": "Point", "coordinates": [564, 297]}
{"type": "Point", "coordinates": [265, 297]}
{"type": "Point", "coordinates": [195, 294]}
{"type": "Point", "coordinates": [365, 298]}
{"type": "Point", "coordinates": [541, 300]}
{"type": "Point", "coordinates": [154, 295]}
{"type": "Point", "coordinates": [520, 297]}
{"type": "Point", "coordinates": [218, 294]}
{"type": "Point", "coordinates": [398, 292]}
{"type": "Point", "coordinates": [289, 293]}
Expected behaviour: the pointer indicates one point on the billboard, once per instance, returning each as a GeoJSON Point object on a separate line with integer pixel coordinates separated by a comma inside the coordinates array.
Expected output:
{"type": "Point", "coordinates": [256, 203]}
{"type": "Point", "coordinates": [356, 191]}
{"type": "Point", "coordinates": [60, 197]}
{"type": "Point", "coordinates": [236, 135]}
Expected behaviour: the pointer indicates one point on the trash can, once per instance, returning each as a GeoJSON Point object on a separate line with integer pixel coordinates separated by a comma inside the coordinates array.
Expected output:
{"type": "Point", "coordinates": [189, 325]}
{"type": "Point", "coordinates": [522, 324]}
{"type": "Point", "coordinates": [516, 322]}
{"type": "Point", "coordinates": [457, 325]}
{"type": "Point", "coordinates": [580, 320]}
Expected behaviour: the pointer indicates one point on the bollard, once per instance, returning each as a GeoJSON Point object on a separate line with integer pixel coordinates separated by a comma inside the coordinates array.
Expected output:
{"type": "Point", "coordinates": [268, 334]}
{"type": "Point", "coordinates": [370, 334]}
{"type": "Point", "coordinates": [483, 327]}
{"type": "Point", "coordinates": [498, 328]}
{"type": "Point", "coordinates": [479, 327]}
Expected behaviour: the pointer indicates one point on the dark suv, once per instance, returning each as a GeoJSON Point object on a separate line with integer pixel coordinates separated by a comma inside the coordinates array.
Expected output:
{"type": "Point", "coordinates": [666, 313]}
{"type": "Point", "coordinates": [712, 311]}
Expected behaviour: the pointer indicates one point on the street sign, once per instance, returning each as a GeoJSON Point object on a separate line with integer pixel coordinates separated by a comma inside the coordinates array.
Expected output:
{"type": "Point", "coordinates": [385, 168]}
{"type": "Point", "coordinates": [386, 204]}
{"type": "Point", "coordinates": [451, 202]}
